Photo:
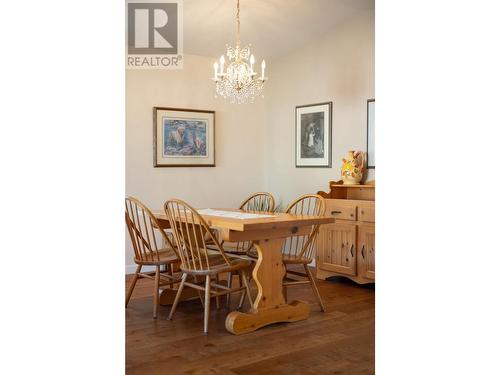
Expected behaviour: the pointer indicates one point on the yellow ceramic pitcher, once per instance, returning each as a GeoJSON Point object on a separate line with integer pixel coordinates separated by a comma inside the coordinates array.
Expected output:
{"type": "Point", "coordinates": [353, 167]}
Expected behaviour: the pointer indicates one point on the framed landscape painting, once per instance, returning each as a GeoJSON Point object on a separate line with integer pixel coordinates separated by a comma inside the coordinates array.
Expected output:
{"type": "Point", "coordinates": [183, 137]}
{"type": "Point", "coordinates": [313, 135]}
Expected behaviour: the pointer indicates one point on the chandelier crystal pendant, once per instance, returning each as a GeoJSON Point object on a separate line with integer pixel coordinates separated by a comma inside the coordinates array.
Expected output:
{"type": "Point", "coordinates": [239, 82]}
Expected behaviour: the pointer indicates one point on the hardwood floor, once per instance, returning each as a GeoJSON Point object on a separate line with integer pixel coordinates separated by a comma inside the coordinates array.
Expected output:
{"type": "Point", "coordinates": [340, 341]}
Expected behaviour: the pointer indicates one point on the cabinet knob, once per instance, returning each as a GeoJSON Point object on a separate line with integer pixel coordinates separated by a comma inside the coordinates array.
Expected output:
{"type": "Point", "coordinates": [363, 251]}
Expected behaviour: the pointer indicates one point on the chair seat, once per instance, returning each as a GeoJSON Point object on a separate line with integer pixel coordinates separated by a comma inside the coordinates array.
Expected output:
{"type": "Point", "coordinates": [166, 256]}
{"type": "Point", "coordinates": [292, 259]}
{"type": "Point", "coordinates": [287, 258]}
{"type": "Point", "coordinates": [234, 249]}
{"type": "Point", "coordinates": [252, 253]}
{"type": "Point", "coordinates": [219, 265]}
{"type": "Point", "coordinates": [241, 256]}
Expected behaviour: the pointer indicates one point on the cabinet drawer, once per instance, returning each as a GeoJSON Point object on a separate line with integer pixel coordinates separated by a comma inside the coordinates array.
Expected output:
{"type": "Point", "coordinates": [340, 210]}
{"type": "Point", "coordinates": [366, 214]}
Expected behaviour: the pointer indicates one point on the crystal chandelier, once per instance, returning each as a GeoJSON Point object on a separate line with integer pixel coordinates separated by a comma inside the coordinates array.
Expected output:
{"type": "Point", "coordinates": [239, 82]}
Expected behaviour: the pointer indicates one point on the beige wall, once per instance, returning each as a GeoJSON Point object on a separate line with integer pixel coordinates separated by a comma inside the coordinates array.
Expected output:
{"type": "Point", "coordinates": [339, 67]}
{"type": "Point", "coordinates": [254, 142]}
{"type": "Point", "coordinates": [240, 151]}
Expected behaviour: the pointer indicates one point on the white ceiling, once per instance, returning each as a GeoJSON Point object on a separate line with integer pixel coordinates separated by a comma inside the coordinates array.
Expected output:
{"type": "Point", "coordinates": [272, 27]}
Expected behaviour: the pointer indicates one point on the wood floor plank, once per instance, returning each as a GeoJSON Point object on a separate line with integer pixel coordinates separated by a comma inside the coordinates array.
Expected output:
{"type": "Point", "coordinates": [340, 341]}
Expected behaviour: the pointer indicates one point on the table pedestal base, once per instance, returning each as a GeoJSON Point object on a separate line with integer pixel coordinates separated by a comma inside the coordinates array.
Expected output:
{"type": "Point", "coordinates": [238, 322]}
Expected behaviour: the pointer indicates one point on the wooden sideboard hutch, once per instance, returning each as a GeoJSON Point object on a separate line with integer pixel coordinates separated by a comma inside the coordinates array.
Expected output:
{"type": "Point", "coordinates": [347, 247]}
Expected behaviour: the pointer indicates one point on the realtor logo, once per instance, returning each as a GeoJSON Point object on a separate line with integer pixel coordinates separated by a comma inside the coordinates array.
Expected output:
{"type": "Point", "coordinates": [154, 34]}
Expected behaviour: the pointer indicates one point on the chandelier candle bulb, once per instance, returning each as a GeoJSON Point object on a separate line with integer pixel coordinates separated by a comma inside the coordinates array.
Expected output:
{"type": "Point", "coordinates": [263, 68]}
{"type": "Point", "coordinates": [215, 70]}
{"type": "Point", "coordinates": [222, 64]}
{"type": "Point", "coordinates": [252, 61]}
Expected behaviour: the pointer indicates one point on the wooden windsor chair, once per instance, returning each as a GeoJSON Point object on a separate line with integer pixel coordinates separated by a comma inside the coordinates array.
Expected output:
{"type": "Point", "coordinates": [257, 203]}
{"type": "Point", "coordinates": [191, 232]}
{"type": "Point", "coordinates": [300, 249]}
{"type": "Point", "coordinates": [149, 250]}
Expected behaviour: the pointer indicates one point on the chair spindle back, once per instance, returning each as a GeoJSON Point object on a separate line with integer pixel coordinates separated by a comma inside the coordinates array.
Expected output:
{"type": "Point", "coordinates": [303, 246]}
{"type": "Point", "coordinates": [258, 202]}
{"type": "Point", "coordinates": [191, 232]}
{"type": "Point", "coordinates": [142, 226]}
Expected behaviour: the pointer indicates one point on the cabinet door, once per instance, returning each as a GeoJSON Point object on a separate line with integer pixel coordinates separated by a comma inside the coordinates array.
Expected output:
{"type": "Point", "coordinates": [337, 248]}
{"type": "Point", "coordinates": [366, 247]}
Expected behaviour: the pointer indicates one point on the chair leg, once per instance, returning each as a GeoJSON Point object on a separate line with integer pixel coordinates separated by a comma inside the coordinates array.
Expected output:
{"type": "Point", "coordinates": [243, 293]}
{"type": "Point", "coordinates": [217, 298]}
{"type": "Point", "coordinates": [242, 299]}
{"type": "Point", "coordinates": [199, 293]}
{"type": "Point", "coordinates": [229, 284]}
{"type": "Point", "coordinates": [156, 295]}
{"type": "Point", "coordinates": [132, 286]}
{"type": "Point", "coordinates": [247, 287]}
{"type": "Point", "coordinates": [314, 287]}
{"type": "Point", "coordinates": [177, 296]}
{"type": "Point", "coordinates": [207, 305]}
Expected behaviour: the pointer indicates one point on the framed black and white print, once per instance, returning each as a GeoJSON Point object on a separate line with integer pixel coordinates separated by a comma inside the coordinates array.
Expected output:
{"type": "Point", "coordinates": [183, 137]}
{"type": "Point", "coordinates": [313, 135]}
{"type": "Point", "coordinates": [370, 134]}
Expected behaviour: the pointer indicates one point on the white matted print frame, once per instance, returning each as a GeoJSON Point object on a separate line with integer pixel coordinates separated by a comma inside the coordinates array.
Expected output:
{"type": "Point", "coordinates": [313, 135]}
{"type": "Point", "coordinates": [183, 137]}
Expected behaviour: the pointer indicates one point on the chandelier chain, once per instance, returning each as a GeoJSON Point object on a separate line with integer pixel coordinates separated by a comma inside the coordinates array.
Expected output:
{"type": "Point", "coordinates": [238, 22]}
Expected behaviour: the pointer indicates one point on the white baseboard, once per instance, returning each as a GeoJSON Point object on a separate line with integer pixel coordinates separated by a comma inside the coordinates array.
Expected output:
{"type": "Point", "coordinates": [130, 268]}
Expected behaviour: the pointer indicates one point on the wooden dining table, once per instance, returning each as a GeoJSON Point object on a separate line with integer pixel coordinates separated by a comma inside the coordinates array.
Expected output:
{"type": "Point", "coordinates": [268, 235]}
